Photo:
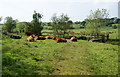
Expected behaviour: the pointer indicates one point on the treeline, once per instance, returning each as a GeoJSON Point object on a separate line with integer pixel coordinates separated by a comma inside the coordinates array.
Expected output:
{"type": "Point", "coordinates": [35, 26]}
{"type": "Point", "coordinates": [107, 22]}
{"type": "Point", "coordinates": [60, 24]}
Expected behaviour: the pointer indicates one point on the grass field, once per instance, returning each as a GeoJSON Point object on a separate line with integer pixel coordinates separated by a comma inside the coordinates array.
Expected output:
{"type": "Point", "coordinates": [46, 57]}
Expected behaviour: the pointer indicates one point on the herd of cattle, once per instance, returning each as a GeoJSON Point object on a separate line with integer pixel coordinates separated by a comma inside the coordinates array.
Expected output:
{"type": "Point", "coordinates": [32, 37]}
{"type": "Point", "coordinates": [57, 39]}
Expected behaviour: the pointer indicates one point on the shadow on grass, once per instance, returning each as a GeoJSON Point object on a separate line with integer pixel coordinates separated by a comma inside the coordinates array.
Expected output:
{"type": "Point", "coordinates": [113, 41]}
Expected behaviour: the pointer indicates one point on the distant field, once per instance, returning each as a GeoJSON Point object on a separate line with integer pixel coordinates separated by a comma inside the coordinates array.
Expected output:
{"type": "Point", "coordinates": [114, 34]}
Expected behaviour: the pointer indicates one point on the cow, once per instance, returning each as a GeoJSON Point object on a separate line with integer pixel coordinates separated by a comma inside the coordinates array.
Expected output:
{"type": "Point", "coordinates": [73, 38]}
{"type": "Point", "coordinates": [95, 40]}
{"type": "Point", "coordinates": [82, 38]}
{"type": "Point", "coordinates": [59, 39]}
{"type": "Point", "coordinates": [40, 38]}
{"type": "Point", "coordinates": [28, 33]}
{"type": "Point", "coordinates": [31, 38]}
{"type": "Point", "coordinates": [15, 37]}
{"type": "Point", "coordinates": [54, 38]}
{"type": "Point", "coordinates": [49, 37]}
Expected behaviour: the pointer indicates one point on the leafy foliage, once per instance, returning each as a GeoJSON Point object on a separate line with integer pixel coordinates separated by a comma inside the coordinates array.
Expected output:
{"type": "Point", "coordinates": [35, 26]}
{"type": "Point", "coordinates": [96, 19]}
{"type": "Point", "coordinates": [9, 24]}
{"type": "Point", "coordinates": [114, 27]}
{"type": "Point", "coordinates": [20, 27]}
{"type": "Point", "coordinates": [60, 24]}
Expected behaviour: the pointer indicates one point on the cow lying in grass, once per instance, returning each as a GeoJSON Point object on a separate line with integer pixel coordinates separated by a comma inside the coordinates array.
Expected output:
{"type": "Point", "coordinates": [15, 37]}
{"type": "Point", "coordinates": [31, 38]}
{"type": "Point", "coordinates": [73, 38]}
{"type": "Point", "coordinates": [49, 37]}
{"type": "Point", "coordinates": [96, 40]}
{"type": "Point", "coordinates": [40, 38]}
{"type": "Point", "coordinates": [59, 39]}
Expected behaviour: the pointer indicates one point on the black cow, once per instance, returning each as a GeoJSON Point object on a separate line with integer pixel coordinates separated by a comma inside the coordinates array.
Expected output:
{"type": "Point", "coordinates": [15, 37]}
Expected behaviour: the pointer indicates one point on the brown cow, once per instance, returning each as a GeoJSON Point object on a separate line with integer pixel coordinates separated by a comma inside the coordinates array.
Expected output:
{"type": "Point", "coordinates": [40, 38]}
{"type": "Point", "coordinates": [54, 38]}
{"type": "Point", "coordinates": [59, 39]}
{"type": "Point", "coordinates": [73, 38]}
{"type": "Point", "coordinates": [31, 38]}
{"type": "Point", "coordinates": [49, 37]}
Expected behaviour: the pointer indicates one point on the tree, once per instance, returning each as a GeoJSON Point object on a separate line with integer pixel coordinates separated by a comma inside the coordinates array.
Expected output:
{"type": "Point", "coordinates": [9, 24]}
{"type": "Point", "coordinates": [70, 23]}
{"type": "Point", "coordinates": [60, 24]}
{"type": "Point", "coordinates": [20, 27]}
{"type": "Point", "coordinates": [82, 24]}
{"type": "Point", "coordinates": [49, 24]}
{"type": "Point", "coordinates": [35, 26]}
{"type": "Point", "coordinates": [77, 22]}
{"type": "Point", "coordinates": [28, 27]}
{"type": "Point", "coordinates": [117, 21]}
{"type": "Point", "coordinates": [96, 19]}
{"type": "Point", "coordinates": [37, 16]}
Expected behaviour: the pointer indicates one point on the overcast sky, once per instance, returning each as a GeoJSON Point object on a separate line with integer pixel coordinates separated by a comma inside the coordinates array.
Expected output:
{"type": "Point", "coordinates": [77, 10]}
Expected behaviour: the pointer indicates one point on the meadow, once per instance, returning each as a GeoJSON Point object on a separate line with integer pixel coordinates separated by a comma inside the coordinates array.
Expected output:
{"type": "Point", "coordinates": [46, 57]}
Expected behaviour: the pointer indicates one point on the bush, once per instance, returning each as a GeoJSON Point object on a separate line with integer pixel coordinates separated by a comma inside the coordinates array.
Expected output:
{"type": "Point", "coordinates": [114, 27]}
{"type": "Point", "coordinates": [110, 25]}
{"type": "Point", "coordinates": [82, 27]}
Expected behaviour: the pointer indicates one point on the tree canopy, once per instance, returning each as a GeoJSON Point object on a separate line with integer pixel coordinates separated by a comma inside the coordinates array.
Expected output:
{"type": "Point", "coordinates": [96, 19]}
{"type": "Point", "coordinates": [9, 24]}
{"type": "Point", "coordinates": [35, 26]}
{"type": "Point", "coordinates": [60, 24]}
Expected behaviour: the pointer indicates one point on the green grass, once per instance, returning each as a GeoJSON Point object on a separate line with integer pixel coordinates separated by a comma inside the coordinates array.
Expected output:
{"type": "Point", "coordinates": [114, 34]}
{"type": "Point", "coordinates": [46, 57]}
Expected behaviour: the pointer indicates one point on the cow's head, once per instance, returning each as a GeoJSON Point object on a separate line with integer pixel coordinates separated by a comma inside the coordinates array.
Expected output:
{"type": "Point", "coordinates": [33, 35]}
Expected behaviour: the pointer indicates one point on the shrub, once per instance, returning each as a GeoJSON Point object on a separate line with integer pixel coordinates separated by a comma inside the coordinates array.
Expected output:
{"type": "Point", "coordinates": [114, 27]}
{"type": "Point", "coordinates": [82, 27]}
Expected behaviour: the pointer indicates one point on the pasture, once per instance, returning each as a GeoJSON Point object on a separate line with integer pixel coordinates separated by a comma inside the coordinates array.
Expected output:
{"type": "Point", "coordinates": [46, 57]}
